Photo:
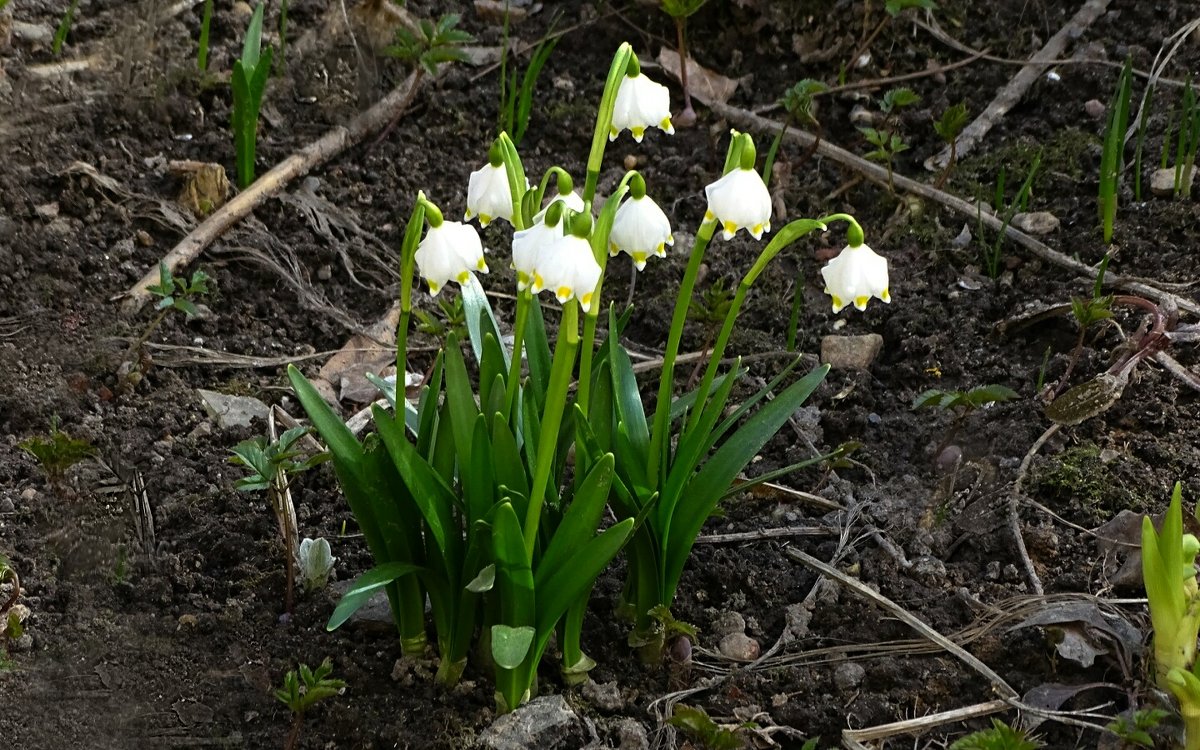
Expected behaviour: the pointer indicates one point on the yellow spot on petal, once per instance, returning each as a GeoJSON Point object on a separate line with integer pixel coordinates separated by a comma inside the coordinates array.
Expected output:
{"type": "Point", "coordinates": [640, 259]}
{"type": "Point", "coordinates": [861, 302]}
{"type": "Point", "coordinates": [434, 287]}
{"type": "Point", "coordinates": [885, 296]}
{"type": "Point", "coordinates": [462, 277]}
{"type": "Point", "coordinates": [709, 215]}
{"type": "Point", "coordinates": [638, 132]}
{"type": "Point", "coordinates": [661, 250]}
{"type": "Point", "coordinates": [612, 249]}
{"type": "Point", "coordinates": [484, 220]}
{"type": "Point", "coordinates": [563, 293]}
{"type": "Point", "coordinates": [586, 302]}
{"type": "Point", "coordinates": [730, 228]}
{"type": "Point", "coordinates": [670, 239]}
{"type": "Point", "coordinates": [837, 302]}
{"type": "Point", "coordinates": [666, 125]}
{"type": "Point", "coordinates": [481, 265]}
{"type": "Point", "coordinates": [613, 133]}
{"type": "Point", "coordinates": [538, 282]}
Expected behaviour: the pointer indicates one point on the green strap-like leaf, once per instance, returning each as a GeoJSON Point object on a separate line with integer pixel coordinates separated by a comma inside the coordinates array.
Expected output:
{"type": "Point", "coordinates": [580, 520]}
{"type": "Point", "coordinates": [364, 587]}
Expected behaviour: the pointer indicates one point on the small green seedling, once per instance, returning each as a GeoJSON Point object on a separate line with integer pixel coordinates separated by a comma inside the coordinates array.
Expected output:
{"type": "Point", "coordinates": [948, 128]}
{"type": "Point", "coordinates": [516, 97]}
{"type": "Point", "coordinates": [962, 404]}
{"type": "Point", "coordinates": [452, 319]}
{"type": "Point", "coordinates": [1138, 730]}
{"type": "Point", "coordinates": [272, 465]}
{"type": "Point", "coordinates": [249, 80]}
{"type": "Point", "coordinates": [56, 453]}
{"type": "Point", "coordinates": [801, 105]}
{"type": "Point", "coordinates": [993, 254]}
{"type": "Point", "coordinates": [679, 11]}
{"type": "Point", "coordinates": [700, 726]}
{"type": "Point", "coordinates": [64, 28]}
{"type": "Point", "coordinates": [202, 45]}
{"type": "Point", "coordinates": [1000, 737]}
{"type": "Point", "coordinates": [886, 140]}
{"type": "Point", "coordinates": [435, 44]}
{"type": "Point", "coordinates": [1112, 159]}
{"type": "Point", "coordinates": [303, 689]}
{"type": "Point", "coordinates": [1187, 141]}
{"type": "Point", "coordinates": [173, 294]}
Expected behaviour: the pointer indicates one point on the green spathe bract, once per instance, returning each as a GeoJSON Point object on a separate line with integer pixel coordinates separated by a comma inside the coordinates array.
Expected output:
{"type": "Point", "coordinates": [249, 79]}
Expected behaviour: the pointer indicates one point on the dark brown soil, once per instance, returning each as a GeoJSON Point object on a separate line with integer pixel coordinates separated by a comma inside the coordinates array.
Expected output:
{"type": "Point", "coordinates": [184, 647]}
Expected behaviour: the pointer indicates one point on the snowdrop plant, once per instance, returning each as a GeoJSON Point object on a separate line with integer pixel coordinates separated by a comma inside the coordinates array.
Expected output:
{"type": "Point", "coordinates": [467, 495]}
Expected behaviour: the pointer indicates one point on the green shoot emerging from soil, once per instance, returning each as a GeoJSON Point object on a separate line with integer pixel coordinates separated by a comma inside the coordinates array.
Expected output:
{"type": "Point", "coordinates": [516, 96]}
{"type": "Point", "coordinates": [801, 105]}
{"type": "Point", "coordinates": [1000, 737]}
{"type": "Point", "coordinates": [886, 139]}
{"type": "Point", "coordinates": [1112, 159]}
{"type": "Point", "coordinates": [435, 44]}
{"type": "Point", "coordinates": [56, 453]}
{"type": "Point", "coordinates": [948, 128]}
{"type": "Point", "coordinates": [202, 45]}
{"type": "Point", "coordinates": [1187, 141]}
{"type": "Point", "coordinates": [173, 294]}
{"type": "Point", "coordinates": [272, 464]}
{"type": "Point", "coordinates": [1137, 730]}
{"type": "Point", "coordinates": [64, 28]}
{"type": "Point", "coordinates": [962, 404]}
{"type": "Point", "coordinates": [701, 728]}
{"type": "Point", "coordinates": [304, 688]}
{"type": "Point", "coordinates": [680, 10]}
{"type": "Point", "coordinates": [993, 254]}
{"type": "Point", "coordinates": [249, 80]}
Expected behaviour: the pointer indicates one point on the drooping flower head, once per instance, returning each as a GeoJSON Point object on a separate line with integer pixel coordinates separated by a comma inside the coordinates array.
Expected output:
{"type": "Point", "coordinates": [857, 274]}
{"type": "Point", "coordinates": [640, 227]}
{"type": "Point", "coordinates": [740, 199]}
{"type": "Point", "coordinates": [528, 244]}
{"type": "Point", "coordinates": [450, 251]}
{"type": "Point", "coordinates": [567, 266]}
{"type": "Point", "coordinates": [566, 194]}
{"type": "Point", "coordinates": [640, 104]}
{"type": "Point", "coordinates": [488, 194]}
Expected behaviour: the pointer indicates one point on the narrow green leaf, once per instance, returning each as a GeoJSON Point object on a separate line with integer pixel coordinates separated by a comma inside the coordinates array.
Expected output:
{"type": "Point", "coordinates": [364, 587]}
{"type": "Point", "coordinates": [579, 521]}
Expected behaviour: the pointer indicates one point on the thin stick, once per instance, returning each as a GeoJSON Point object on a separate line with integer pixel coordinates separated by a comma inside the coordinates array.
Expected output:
{"type": "Point", "coordinates": [1012, 92]}
{"type": "Point", "coordinates": [1014, 501]}
{"type": "Point", "coordinates": [298, 164]}
{"type": "Point", "coordinates": [924, 723]}
{"type": "Point", "coordinates": [999, 685]}
{"type": "Point", "coordinates": [775, 533]}
{"type": "Point", "coordinates": [748, 120]}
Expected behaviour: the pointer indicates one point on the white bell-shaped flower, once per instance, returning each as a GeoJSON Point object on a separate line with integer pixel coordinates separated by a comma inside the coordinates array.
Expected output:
{"type": "Point", "coordinates": [640, 229]}
{"type": "Point", "coordinates": [568, 269]}
{"type": "Point", "coordinates": [640, 104]}
{"type": "Point", "coordinates": [739, 200]}
{"type": "Point", "coordinates": [856, 275]}
{"type": "Point", "coordinates": [572, 200]}
{"type": "Point", "coordinates": [451, 251]}
{"type": "Point", "coordinates": [488, 196]}
{"type": "Point", "coordinates": [527, 246]}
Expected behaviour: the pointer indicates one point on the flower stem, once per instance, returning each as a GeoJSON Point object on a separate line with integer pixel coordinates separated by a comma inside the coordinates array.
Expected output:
{"type": "Point", "coordinates": [662, 407]}
{"type": "Point", "coordinates": [408, 251]}
{"type": "Point", "coordinates": [556, 402]}
{"type": "Point", "coordinates": [616, 72]}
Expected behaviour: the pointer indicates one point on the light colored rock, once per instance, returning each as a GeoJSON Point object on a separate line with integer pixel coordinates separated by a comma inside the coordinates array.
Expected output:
{"type": "Point", "coordinates": [849, 676]}
{"type": "Point", "coordinates": [1036, 222]}
{"type": "Point", "coordinates": [632, 735]}
{"type": "Point", "coordinates": [1162, 182]}
{"type": "Point", "coordinates": [7, 505]}
{"type": "Point", "coordinates": [728, 622]}
{"type": "Point", "coordinates": [851, 352]}
{"type": "Point", "coordinates": [604, 696]}
{"type": "Point", "coordinates": [232, 411]}
{"type": "Point", "coordinates": [546, 722]}
{"type": "Point", "coordinates": [739, 646]}
{"type": "Point", "coordinates": [1094, 108]}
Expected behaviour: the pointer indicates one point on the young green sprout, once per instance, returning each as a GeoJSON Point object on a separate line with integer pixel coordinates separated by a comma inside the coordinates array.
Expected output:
{"type": "Point", "coordinates": [435, 44]}
{"type": "Point", "coordinates": [1112, 159]}
{"type": "Point", "coordinates": [999, 737]}
{"type": "Point", "coordinates": [272, 465]}
{"type": "Point", "coordinates": [249, 80]}
{"type": "Point", "coordinates": [948, 128]}
{"type": "Point", "coordinates": [173, 294]}
{"type": "Point", "coordinates": [56, 453]}
{"type": "Point", "coordinates": [516, 96]}
{"type": "Point", "coordinates": [886, 139]}
{"type": "Point", "coordinates": [303, 689]}
{"type": "Point", "coordinates": [801, 105]}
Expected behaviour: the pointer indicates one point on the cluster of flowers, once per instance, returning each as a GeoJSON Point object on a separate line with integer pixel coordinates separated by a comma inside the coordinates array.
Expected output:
{"type": "Point", "coordinates": [550, 255]}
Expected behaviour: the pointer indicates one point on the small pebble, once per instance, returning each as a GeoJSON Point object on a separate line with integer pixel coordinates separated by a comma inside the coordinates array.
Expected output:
{"type": "Point", "coordinates": [849, 676]}
{"type": "Point", "coordinates": [739, 647]}
{"type": "Point", "coordinates": [325, 272]}
{"type": "Point", "coordinates": [949, 459]}
{"type": "Point", "coordinates": [28, 494]}
{"type": "Point", "coordinates": [6, 505]}
{"type": "Point", "coordinates": [631, 161]}
{"type": "Point", "coordinates": [1094, 108]}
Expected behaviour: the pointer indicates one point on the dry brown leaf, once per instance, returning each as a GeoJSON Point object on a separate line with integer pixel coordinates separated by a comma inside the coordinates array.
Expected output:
{"type": "Point", "coordinates": [706, 85]}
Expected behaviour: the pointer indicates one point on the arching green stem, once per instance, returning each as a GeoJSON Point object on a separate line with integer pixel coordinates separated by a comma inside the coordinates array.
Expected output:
{"type": "Point", "coordinates": [408, 252]}
{"type": "Point", "coordinates": [616, 71]}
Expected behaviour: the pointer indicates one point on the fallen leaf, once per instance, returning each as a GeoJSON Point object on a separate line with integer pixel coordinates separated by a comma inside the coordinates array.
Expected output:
{"type": "Point", "coordinates": [706, 85]}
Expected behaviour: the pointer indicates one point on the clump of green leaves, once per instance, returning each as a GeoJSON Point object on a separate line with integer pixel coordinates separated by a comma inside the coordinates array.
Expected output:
{"type": "Point", "coordinates": [679, 11]}
{"type": "Point", "coordinates": [948, 128]}
{"type": "Point", "coordinates": [249, 80]}
{"type": "Point", "coordinates": [516, 97]}
{"type": "Point", "coordinates": [451, 320]}
{"type": "Point", "coordinates": [801, 105]}
{"type": "Point", "coordinates": [64, 28]}
{"type": "Point", "coordinates": [1112, 159]}
{"type": "Point", "coordinates": [56, 452]}
{"type": "Point", "coordinates": [272, 464]}
{"type": "Point", "coordinates": [304, 688]}
{"type": "Point", "coordinates": [1000, 737]}
{"type": "Point", "coordinates": [1136, 730]}
{"type": "Point", "coordinates": [432, 45]}
{"type": "Point", "coordinates": [700, 726]}
{"type": "Point", "coordinates": [173, 294]}
{"type": "Point", "coordinates": [963, 401]}
{"type": "Point", "coordinates": [886, 139]}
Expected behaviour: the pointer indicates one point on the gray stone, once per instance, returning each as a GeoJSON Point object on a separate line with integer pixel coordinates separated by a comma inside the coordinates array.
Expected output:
{"type": "Point", "coordinates": [546, 722]}
{"type": "Point", "coordinates": [1094, 108]}
{"type": "Point", "coordinates": [1036, 222]}
{"type": "Point", "coordinates": [6, 505]}
{"type": "Point", "coordinates": [851, 352]}
{"type": "Point", "coordinates": [929, 568]}
{"type": "Point", "coordinates": [728, 622]}
{"type": "Point", "coordinates": [739, 647]}
{"type": "Point", "coordinates": [1162, 182]}
{"type": "Point", "coordinates": [605, 696]}
{"type": "Point", "coordinates": [632, 735]}
{"type": "Point", "coordinates": [232, 411]}
{"type": "Point", "coordinates": [849, 676]}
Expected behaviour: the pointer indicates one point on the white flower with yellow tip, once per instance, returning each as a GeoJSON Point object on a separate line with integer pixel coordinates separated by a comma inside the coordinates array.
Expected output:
{"type": "Point", "coordinates": [856, 275]}
{"type": "Point", "coordinates": [527, 247]}
{"type": "Point", "coordinates": [568, 269]}
{"type": "Point", "coordinates": [640, 229]}
{"type": "Point", "coordinates": [640, 104]}
{"type": "Point", "coordinates": [451, 251]}
{"type": "Point", "coordinates": [488, 196]}
{"type": "Point", "coordinates": [571, 200]}
{"type": "Point", "coordinates": [739, 200]}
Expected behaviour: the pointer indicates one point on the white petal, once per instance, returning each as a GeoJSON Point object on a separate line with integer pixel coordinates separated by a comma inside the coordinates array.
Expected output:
{"type": "Point", "coordinates": [740, 200]}
{"type": "Point", "coordinates": [449, 251]}
{"type": "Point", "coordinates": [641, 104]}
{"type": "Point", "coordinates": [488, 195]}
{"type": "Point", "coordinates": [856, 275]}
{"type": "Point", "coordinates": [527, 246]}
{"type": "Point", "coordinates": [568, 269]}
{"type": "Point", "coordinates": [640, 229]}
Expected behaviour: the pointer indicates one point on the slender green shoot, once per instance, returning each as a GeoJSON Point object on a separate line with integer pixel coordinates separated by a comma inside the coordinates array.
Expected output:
{"type": "Point", "coordinates": [516, 100]}
{"type": "Point", "coordinates": [202, 50]}
{"type": "Point", "coordinates": [64, 28]}
{"type": "Point", "coordinates": [1112, 161]}
{"type": "Point", "coordinates": [797, 308]}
